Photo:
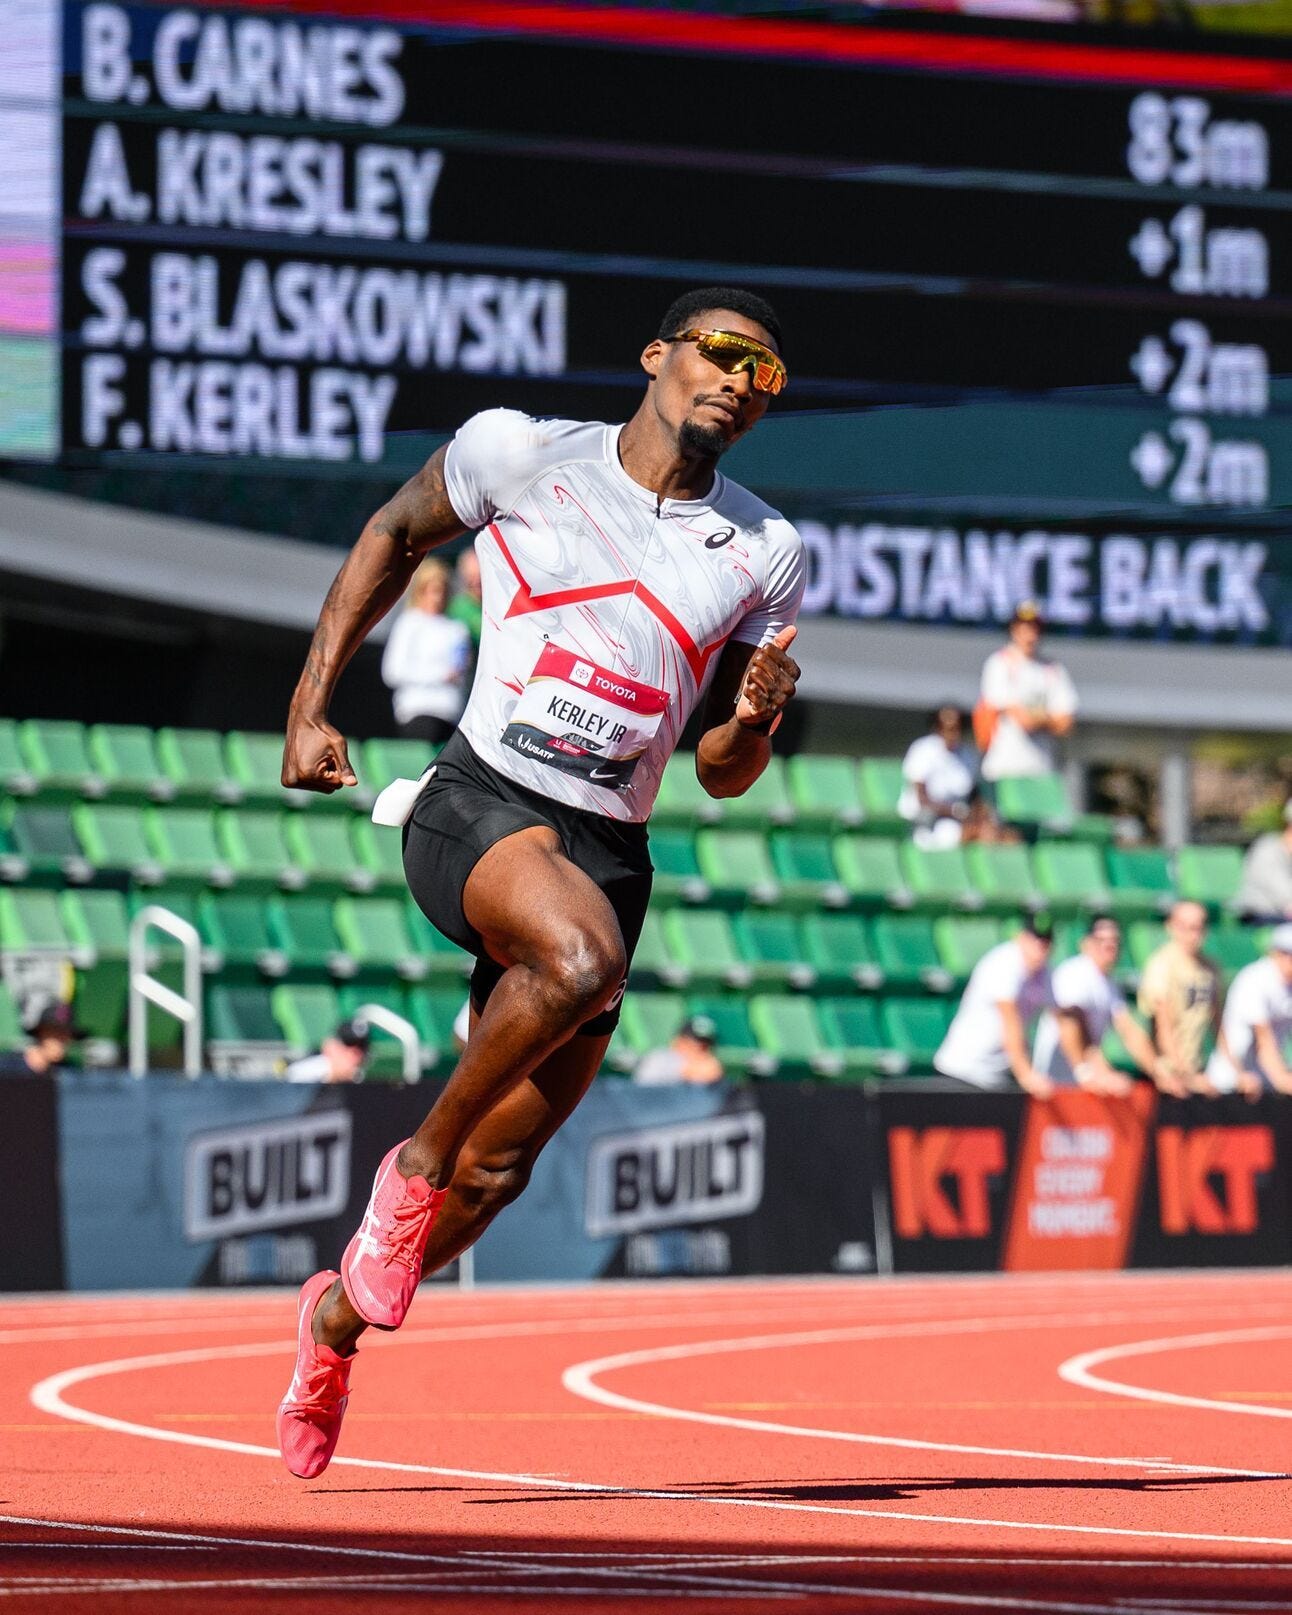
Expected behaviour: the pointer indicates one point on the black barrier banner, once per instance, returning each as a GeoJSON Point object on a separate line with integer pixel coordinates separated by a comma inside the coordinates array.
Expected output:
{"type": "Point", "coordinates": [31, 1254]}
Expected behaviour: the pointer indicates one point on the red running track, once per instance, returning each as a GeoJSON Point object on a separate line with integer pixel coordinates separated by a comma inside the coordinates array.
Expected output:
{"type": "Point", "coordinates": [1104, 1445]}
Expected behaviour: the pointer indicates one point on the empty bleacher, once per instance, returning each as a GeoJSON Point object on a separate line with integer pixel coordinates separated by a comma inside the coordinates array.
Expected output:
{"type": "Point", "coordinates": [801, 917]}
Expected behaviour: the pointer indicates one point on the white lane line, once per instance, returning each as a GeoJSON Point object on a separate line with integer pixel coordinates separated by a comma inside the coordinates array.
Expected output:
{"type": "Point", "coordinates": [1077, 1370]}
{"type": "Point", "coordinates": [581, 1379]}
{"type": "Point", "coordinates": [47, 1395]}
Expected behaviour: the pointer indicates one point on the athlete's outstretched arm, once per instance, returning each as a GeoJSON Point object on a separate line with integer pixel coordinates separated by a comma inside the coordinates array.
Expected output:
{"type": "Point", "coordinates": [750, 688]}
{"type": "Point", "coordinates": [374, 576]}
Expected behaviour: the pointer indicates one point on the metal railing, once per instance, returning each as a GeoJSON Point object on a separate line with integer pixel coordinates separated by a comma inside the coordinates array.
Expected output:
{"type": "Point", "coordinates": [145, 989]}
{"type": "Point", "coordinates": [404, 1031]}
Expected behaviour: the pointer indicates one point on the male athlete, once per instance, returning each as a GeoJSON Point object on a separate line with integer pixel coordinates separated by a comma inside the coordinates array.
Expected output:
{"type": "Point", "coordinates": [625, 578]}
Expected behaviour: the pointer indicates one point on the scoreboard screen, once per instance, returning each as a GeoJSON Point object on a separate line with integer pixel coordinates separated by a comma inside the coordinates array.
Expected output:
{"type": "Point", "coordinates": [1035, 287]}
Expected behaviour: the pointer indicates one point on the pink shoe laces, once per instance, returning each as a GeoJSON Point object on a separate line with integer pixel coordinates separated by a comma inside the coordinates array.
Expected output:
{"type": "Point", "coordinates": [410, 1222]}
{"type": "Point", "coordinates": [324, 1385]}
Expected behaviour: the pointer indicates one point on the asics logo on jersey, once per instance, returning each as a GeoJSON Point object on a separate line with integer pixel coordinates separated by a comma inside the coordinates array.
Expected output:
{"type": "Point", "coordinates": [715, 541]}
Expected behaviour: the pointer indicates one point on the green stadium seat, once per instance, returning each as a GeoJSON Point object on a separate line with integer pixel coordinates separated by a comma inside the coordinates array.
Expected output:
{"type": "Point", "coordinates": [303, 928]}
{"type": "Point", "coordinates": [13, 866]}
{"type": "Point", "coordinates": [962, 941]}
{"type": "Point", "coordinates": [1210, 875]}
{"type": "Point", "coordinates": [682, 799]}
{"type": "Point", "coordinates": [374, 932]}
{"type": "Point", "coordinates": [125, 758]}
{"type": "Point", "coordinates": [773, 948]}
{"type": "Point", "coordinates": [677, 870]}
{"type": "Point", "coordinates": [1003, 875]}
{"type": "Point", "coordinates": [851, 1027]}
{"type": "Point", "coordinates": [384, 760]}
{"type": "Point", "coordinates": [304, 1015]}
{"type": "Point", "coordinates": [444, 960]}
{"type": "Point", "coordinates": [255, 762]}
{"type": "Point", "coordinates": [737, 1047]}
{"type": "Point", "coordinates": [15, 776]}
{"type": "Point", "coordinates": [824, 791]}
{"type": "Point", "coordinates": [767, 801]}
{"type": "Point", "coordinates": [193, 761]}
{"type": "Point", "coordinates": [787, 1030]}
{"type": "Point", "coordinates": [737, 865]}
{"type": "Point", "coordinates": [1234, 946]}
{"type": "Point", "coordinates": [58, 758]}
{"type": "Point", "coordinates": [236, 926]}
{"type": "Point", "coordinates": [254, 844]}
{"type": "Point", "coordinates": [1071, 876]}
{"type": "Point", "coordinates": [32, 921]}
{"type": "Point", "coordinates": [1143, 937]}
{"type": "Point", "coordinates": [870, 868]}
{"type": "Point", "coordinates": [379, 850]}
{"type": "Point", "coordinates": [703, 941]}
{"type": "Point", "coordinates": [939, 877]}
{"type": "Point", "coordinates": [880, 783]}
{"type": "Point", "coordinates": [98, 922]}
{"type": "Point", "coordinates": [841, 949]}
{"type": "Point", "coordinates": [653, 960]}
{"type": "Point", "coordinates": [320, 844]}
{"type": "Point", "coordinates": [433, 1011]}
{"type": "Point", "coordinates": [185, 842]}
{"type": "Point", "coordinates": [115, 836]}
{"type": "Point", "coordinates": [649, 1020]}
{"type": "Point", "coordinates": [915, 1027]}
{"type": "Point", "coordinates": [11, 1032]}
{"type": "Point", "coordinates": [803, 862]}
{"type": "Point", "coordinates": [242, 1014]}
{"type": "Point", "coordinates": [1038, 799]}
{"type": "Point", "coordinates": [1140, 880]}
{"type": "Point", "coordinates": [43, 835]}
{"type": "Point", "coordinates": [908, 954]}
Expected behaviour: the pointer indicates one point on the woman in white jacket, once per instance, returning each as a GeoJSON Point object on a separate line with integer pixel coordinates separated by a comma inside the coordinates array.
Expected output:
{"type": "Point", "coordinates": [426, 658]}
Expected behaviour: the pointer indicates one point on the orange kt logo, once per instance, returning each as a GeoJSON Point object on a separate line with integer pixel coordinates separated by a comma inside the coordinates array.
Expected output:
{"type": "Point", "coordinates": [1193, 1163]}
{"type": "Point", "coordinates": [939, 1180]}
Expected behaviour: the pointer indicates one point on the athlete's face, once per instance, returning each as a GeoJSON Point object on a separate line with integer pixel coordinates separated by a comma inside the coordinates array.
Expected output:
{"type": "Point", "coordinates": [706, 409]}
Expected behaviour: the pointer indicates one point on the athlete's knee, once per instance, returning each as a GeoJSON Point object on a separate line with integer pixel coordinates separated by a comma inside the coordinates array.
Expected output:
{"type": "Point", "coordinates": [487, 1183]}
{"type": "Point", "coordinates": [582, 970]}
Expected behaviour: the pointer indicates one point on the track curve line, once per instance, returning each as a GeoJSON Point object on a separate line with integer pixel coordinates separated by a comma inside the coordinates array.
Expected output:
{"type": "Point", "coordinates": [1077, 1370]}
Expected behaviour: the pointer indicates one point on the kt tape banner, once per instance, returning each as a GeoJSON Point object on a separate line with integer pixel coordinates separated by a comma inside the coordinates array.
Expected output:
{"type": "Point", "coordinates": [982, 1181]}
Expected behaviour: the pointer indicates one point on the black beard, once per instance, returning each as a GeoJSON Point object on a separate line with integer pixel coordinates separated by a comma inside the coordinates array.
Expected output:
{"type": "Point", "coordinates": [702, 442]}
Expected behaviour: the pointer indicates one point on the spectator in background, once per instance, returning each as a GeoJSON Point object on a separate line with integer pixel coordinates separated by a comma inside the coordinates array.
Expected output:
{"type": "Point", "coordinates": [1087, 1002]}
{"type": "Point", "coordinates": [50, 1037]}
{"type": "Point", "coordinates": [341, 1059]}
{"type": "Point", "coordinates": [986, 1043]}
{"type": "Point", "coordinates": [1266, 890]}
{"type": "Point", "coordinates": [466, 605]}
{"type": "Point", "coordinates": [1179, 994]}
{"type": "Point", "coordinates": [1256, 1024]}
{"type": "Point", "coordinates": [940, 777]}
{"type": "Point", "coordinates": [426, 658]}
{"type": "Point", "coordinates": [1026, 705]}
{"type": "Point", "coordinates": [688, 1058]}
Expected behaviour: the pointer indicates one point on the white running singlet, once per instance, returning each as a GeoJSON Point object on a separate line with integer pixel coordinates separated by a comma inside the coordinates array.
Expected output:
{"type": "Point", "coordinates": [604, 609]}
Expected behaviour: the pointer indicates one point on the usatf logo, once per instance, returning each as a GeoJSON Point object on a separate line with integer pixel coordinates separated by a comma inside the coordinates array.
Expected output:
{"type": "Point", "coordinates": [1207, 1178]}
{"type": "Point", "coordinates": [691, 1172]}
{"type": "Point", "coordinates": [581, 673]}
{"type": "Point", "coordinates": [274, 1175]}
{"type": "Point", "coordinates": [940, 1178]}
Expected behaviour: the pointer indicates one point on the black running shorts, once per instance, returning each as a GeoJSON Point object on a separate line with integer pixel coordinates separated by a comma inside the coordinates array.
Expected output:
{"type": "Point", "coordinates": [465, 808]}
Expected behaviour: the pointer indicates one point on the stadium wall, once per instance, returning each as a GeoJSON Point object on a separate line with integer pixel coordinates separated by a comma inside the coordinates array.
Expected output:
{"type": "Point", "coordinates": [163, 1183]}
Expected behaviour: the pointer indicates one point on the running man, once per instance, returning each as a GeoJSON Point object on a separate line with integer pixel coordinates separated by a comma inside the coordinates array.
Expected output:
{"type": "Point", "coordinates": [625, 581]}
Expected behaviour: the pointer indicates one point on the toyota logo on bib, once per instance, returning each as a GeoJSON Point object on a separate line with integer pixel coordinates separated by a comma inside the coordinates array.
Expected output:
{"type": "Point", "coordinates": [581, 673]}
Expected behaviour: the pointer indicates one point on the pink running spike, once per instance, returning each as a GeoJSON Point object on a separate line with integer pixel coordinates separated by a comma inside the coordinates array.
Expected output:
{"type": "Point", "coordinates": [309, 1416]}
{"type": "Point", "coordinates": [382, 1264]}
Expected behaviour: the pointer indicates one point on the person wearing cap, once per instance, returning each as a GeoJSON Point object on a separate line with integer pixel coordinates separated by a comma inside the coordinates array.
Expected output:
{"type": "Point", "coordinates": [341, 1058]}
{"type": "Point", "coordinates": [1087, 1002]}
{"type": "Point", "coordinates": [1026, 705]}
{"type": "Point", "coordinates": [688, 1058]}
{"type": "Point", "coordinates": [1179, 996]}
{"type": "Point", "coordinates": [986, 1043]}
{"type": "Point", "coordinates": [51, 1035]}
{"type": "Point", "coordinates": [1256, 1024]}
{"type": "Point", "coordinates": [1265, 895]}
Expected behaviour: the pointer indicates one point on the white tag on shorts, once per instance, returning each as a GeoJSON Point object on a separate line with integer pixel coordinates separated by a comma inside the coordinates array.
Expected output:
{"type": "Point", "coordinates": [395, 803]}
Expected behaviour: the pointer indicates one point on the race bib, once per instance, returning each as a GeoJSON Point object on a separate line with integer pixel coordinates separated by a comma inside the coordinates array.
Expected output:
{"type": "Point", "coordinates": [584, 719]}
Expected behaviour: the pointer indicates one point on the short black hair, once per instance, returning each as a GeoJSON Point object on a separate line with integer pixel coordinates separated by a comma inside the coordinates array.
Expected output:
{"type": "Point", "coordinates": [682, 310]}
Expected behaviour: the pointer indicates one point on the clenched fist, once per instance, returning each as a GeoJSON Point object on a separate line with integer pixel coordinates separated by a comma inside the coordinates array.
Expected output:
{"type": "Point", "coordinates": [769, 683]}
{"type": "Point", "coordinates": [315, 758]}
